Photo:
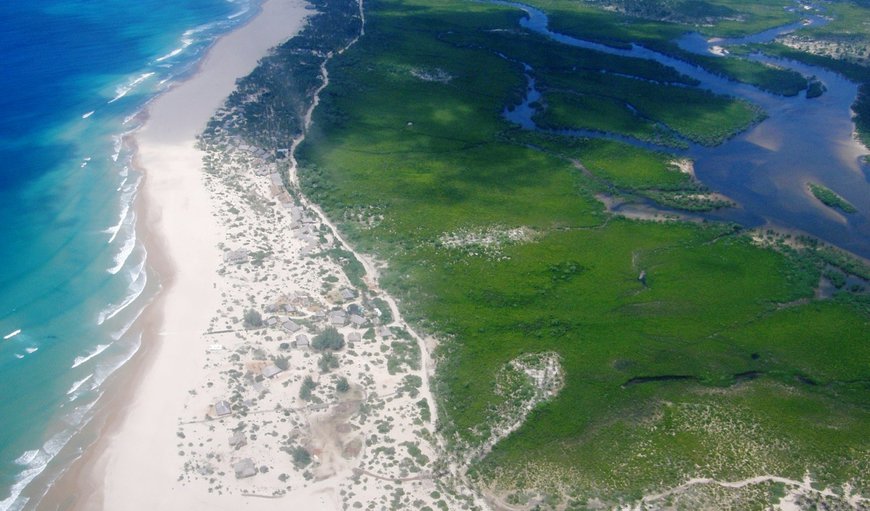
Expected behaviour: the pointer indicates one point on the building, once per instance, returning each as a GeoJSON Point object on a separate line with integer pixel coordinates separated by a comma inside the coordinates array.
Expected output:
{"type": "Point", "coordinates": [236, 256]}
{"type": "Point", "coordinates": [238, 440]}
{"type": "Point", "coordinates": [291, 326]}
{"type": "Point", "coordinates": [302, 341]}
{"type": "Point", "coordinates": [337, 318]}
{"type": "Point", "coordinates": [347, 293]}
{"type": "Point", "coordinates": [244, 468]}
{"type": "Point", "coordinates": [271, 370]}
{"type": "Point", "coordinates": [222, 408]}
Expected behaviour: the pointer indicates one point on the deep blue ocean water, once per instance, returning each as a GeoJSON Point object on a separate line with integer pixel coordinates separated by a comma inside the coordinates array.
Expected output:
{"type": "Point", "coordinates": [73, 277]}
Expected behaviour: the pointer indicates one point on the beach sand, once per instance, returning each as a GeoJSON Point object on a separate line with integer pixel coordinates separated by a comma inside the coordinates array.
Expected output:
{"type": "Point", "coordinates": [161, 442]}
{"type": "Point", "coordinates": [135, 466]}
{"type": "Point", "coordinates": [139, 466]}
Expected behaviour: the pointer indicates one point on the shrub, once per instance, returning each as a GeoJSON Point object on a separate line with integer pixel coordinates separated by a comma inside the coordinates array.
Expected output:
{"type": "Point", "coordinates": [342, 385]}
{"type": "Point", "coordinates": [327, 362]}
{"type": "Point", "coordinates": [328, 339]}
{"type": "Point", "coordinates": [308, 385]}
{"type": "Point", "coordinates": [253, 319]}
{"type": "Point", "coordinates": [301, 457]}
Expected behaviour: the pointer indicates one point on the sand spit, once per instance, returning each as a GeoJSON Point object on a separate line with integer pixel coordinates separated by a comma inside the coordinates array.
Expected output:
{"type": "Point", "coordinates": [230, 413]}
{"type": "Point", "coordinates": [274, 418]}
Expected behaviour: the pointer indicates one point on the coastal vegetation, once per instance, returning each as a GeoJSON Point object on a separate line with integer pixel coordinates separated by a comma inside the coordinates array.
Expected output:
{"type": "Point", "coordinates": [328, 339]}
{"type": "Point", "coordinates": [843, 45]}
{"type": "Point", "coordinates": [659, 33]}
{"type": "Point", "coordinates": [688, 349]}
{"type": "Point", "coordinates": [830, 198]}
{"type": "Point", "coordinates": [641, 111]}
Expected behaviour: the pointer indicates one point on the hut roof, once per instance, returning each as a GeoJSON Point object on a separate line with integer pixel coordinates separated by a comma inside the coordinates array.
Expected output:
{"type": "Point", "coordinates": [291, 326]}
{"type": "Point", "coordinates": [222, 408]}
{"type": "Point", "coordinates": [238, 439]}
{"type": "Point", "coordinates": [244, 468]}
{"type": "Point", "coordinates": [271, 370]}
{"type": "Point", "coordinates": [236, 256]}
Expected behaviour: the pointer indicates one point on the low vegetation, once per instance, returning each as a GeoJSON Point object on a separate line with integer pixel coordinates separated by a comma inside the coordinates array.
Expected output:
{"type": "Point", "coordinates": [328, 339]}
{"type": "Point", "coordinates": [830, 198]}
{"type": "Point", "coordinates": [716, 363]}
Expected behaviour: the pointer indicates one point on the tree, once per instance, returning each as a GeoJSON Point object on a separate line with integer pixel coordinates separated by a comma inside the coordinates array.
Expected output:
{"type": "Point", "coordinates": [342, 385]}
{"type": "Point", "coordinates": [282, 363]}
{"type": "Point", "coordinates": [301, 457]}
{"type": "Point", "coordinates": [327, 362]}
{"type": "Point", "coordinates": [328, 339]}
{"type": "Point", "coordinates": [308, 385]}
{"type": "Point", "coordinates": [253, 319]}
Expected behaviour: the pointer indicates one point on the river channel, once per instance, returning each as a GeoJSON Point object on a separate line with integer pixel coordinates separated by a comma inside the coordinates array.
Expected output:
{"type": "Point", "coordinates": [765, 169]}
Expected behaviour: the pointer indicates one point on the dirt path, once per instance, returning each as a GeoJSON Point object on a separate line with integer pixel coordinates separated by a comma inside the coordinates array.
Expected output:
{"type": "Point", "coordinates": [372, 275]}
{"type": "Point", "coordinates": [804, 487]}
{"type": "Point", "coordinates": [422, 477]}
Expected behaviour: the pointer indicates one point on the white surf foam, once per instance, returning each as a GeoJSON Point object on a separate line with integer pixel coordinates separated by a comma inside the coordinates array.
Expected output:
{"type": "Point", "coordinates": [126, 201]}
{"type": "Point", "coordinates": [126, 328]}
{"type": "Point", "coordinates": [103, 372]}
{"type": "Point", "coordinates": [136, 288]}
{"type": "Point", "coordinates": [77, 385]}
{"type": "Point", "coordinates": [31, 350]}
{"type": "Point", "coordinates": [123, 90]}
{"type": "Point", "coordinates": [26, 458]}
{"type": "Point", "coordinates": [117, 143]}
{"type": "Point", "coordinates": [124, 252]}
{"type": "Point", "coordinates": [238, 13]}
{"type": "Point", "coordinates": [85, 116]}
{"type": "Point", "coordinates": [171, 54]}
{"type": "Point", "coordinates": [36, 463]}
{"type": "Point", "coordinates": [134, 273]}
{"type": "Point", "coordinates": [81, 360]}
{"type": "Point", "coordinates": [11, 334]}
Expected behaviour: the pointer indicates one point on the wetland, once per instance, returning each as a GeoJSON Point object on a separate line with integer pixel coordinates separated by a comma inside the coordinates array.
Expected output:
{"type": "Point", "coordinates": [583, 358]}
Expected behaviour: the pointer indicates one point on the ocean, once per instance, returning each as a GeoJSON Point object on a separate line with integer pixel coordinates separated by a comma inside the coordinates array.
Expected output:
{"type": "Point", "coordinates": [73, 276]}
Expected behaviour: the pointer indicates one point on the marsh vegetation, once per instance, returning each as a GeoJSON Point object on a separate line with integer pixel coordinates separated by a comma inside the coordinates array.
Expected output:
{"type": "Point", "coordinates": [410, 152]}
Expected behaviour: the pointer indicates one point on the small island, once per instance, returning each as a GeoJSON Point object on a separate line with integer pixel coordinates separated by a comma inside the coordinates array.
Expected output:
{"type": "Point", "coordinates": [830, 198]}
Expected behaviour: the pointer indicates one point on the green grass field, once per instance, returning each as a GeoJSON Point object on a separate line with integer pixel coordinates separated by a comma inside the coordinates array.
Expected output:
{"type": "Point", "coordinates": [770, 380]}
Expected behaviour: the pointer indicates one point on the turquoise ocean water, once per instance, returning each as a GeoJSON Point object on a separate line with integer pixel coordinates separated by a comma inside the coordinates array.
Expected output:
{"type": "Point", "coordinates": [73, 277]}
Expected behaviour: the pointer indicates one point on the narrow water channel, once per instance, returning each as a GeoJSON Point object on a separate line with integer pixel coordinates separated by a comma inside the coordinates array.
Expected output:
{"type": "Point", "coordinates": [766, 168]}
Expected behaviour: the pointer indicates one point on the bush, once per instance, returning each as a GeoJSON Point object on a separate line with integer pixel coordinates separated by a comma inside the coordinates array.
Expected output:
{"type": "Point", "coordinates": [308, 385]}
{"type": "Point", "coordinates": [253, 319]}
{"type": "Point", "coordinates": [327, 362]}
{"type": "Point", "coordinates": [342, 385]}
{"type": "Point", "coordinates": [328, 339]}
{"type": "Point", "coordinates": [411, 384]}
{"type": "Point", "coordinates": [282, 363]}
{"type": "Point", "coordinates": [301, 457]}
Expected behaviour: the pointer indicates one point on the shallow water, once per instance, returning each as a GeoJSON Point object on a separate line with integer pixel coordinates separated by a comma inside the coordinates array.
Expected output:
{"type": "Point", "coordinates": [74, 276]}
{"type": "Point", "coordinates": [766, 168]}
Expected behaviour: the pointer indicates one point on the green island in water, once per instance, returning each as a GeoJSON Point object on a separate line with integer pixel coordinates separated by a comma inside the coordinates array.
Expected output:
{"type": "Point", "coordinates": [830, 198]}
{"type": "Point", "coordinates": [587, 358]}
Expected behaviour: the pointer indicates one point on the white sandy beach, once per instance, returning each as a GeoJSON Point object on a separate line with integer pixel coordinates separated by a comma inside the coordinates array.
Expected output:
{"type": "Point", "coordinates": [166, 446]}
{"type": "Point", "coordinates": [137, 466]}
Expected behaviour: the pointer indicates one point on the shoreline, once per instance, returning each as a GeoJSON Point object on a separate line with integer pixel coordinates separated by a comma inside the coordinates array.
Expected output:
{"type": "Point", "coordinates": [82, 485]}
